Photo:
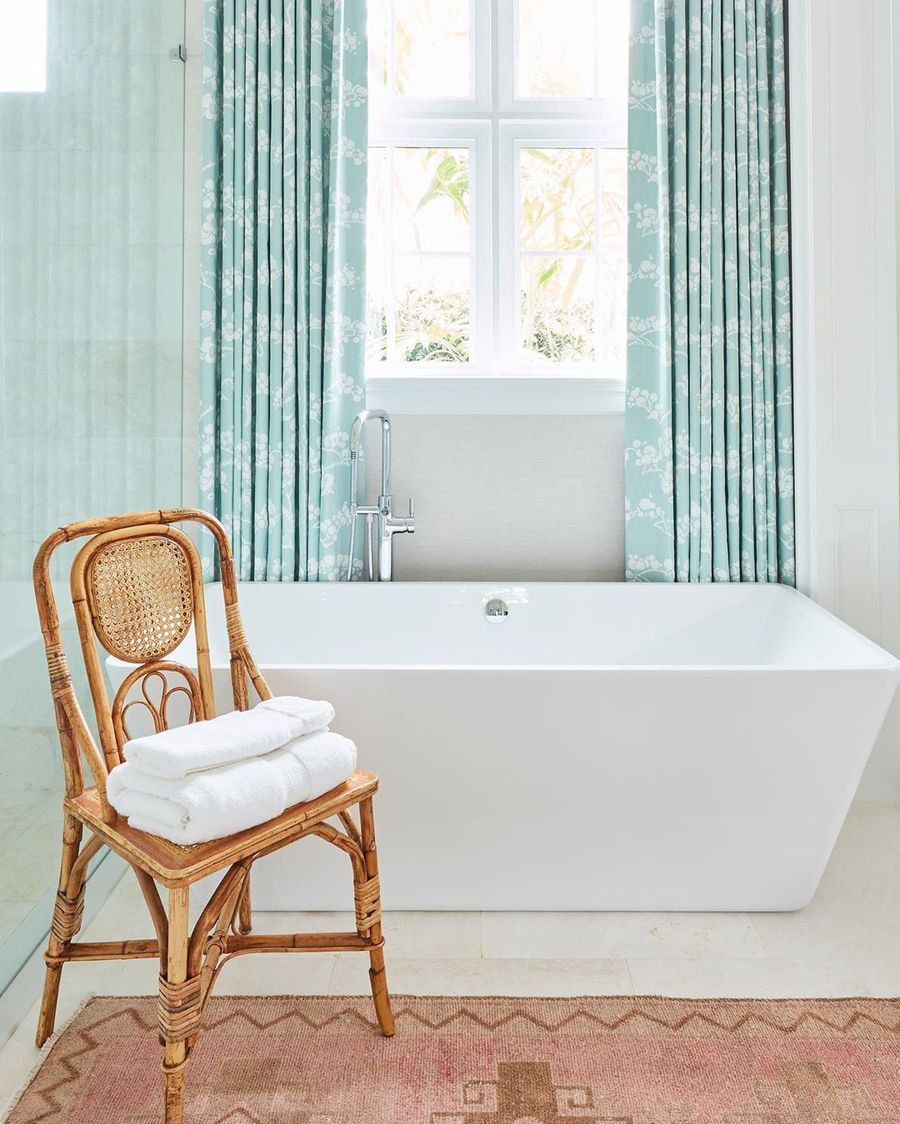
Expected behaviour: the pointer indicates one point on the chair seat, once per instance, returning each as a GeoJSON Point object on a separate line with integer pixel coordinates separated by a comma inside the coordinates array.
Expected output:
{"type": "Point", "coordinates": [174, 864]}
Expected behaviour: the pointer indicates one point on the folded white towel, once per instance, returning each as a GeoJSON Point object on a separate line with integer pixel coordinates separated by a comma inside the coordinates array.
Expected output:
{"type": "Point", "coordinates": [230, 737]}
{"type": "Point", "coordinates": [219, 802]}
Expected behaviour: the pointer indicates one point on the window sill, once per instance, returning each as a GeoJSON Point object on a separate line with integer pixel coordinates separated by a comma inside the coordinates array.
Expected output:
{"type": "Point", "coordinates": [499, 394]}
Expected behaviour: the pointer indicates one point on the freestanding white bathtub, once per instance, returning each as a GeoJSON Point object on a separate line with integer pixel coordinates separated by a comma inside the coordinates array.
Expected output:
{"type": "Point", "coordinates": [604, 746]}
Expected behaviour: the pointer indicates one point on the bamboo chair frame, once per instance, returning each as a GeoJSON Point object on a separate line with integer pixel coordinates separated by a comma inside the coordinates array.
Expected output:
{"type": "Point", "coordinates": [137, 590]}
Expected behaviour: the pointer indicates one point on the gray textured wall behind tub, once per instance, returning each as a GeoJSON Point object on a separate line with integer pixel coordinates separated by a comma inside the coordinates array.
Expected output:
{"type": "Point", "coordinates": [535, 498]}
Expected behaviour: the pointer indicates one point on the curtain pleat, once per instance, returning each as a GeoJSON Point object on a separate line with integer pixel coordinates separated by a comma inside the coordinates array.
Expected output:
{"type": "Point", "coordinates": [709, 416]}
{"type": "Point", "coordinates": [283, 270]}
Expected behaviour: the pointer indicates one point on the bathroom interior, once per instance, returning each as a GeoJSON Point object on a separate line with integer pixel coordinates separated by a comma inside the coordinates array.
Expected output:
{"type": "Point", "coordinates": [540, 360]}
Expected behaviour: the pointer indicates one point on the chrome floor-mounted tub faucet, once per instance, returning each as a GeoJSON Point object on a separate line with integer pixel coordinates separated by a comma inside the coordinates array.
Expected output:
{"type": "Point", "coordinates": [381, 523]}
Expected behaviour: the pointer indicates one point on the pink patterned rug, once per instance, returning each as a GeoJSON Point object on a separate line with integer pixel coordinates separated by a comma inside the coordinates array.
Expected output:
{"type": "Point", "coordinates": [627, 1060]}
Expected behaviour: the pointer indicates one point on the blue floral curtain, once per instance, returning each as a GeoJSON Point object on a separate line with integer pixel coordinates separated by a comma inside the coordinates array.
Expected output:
{"type": "Point", "coordinates": [283, 293]}
{"type": "Point", "coordinates": [709, 418]}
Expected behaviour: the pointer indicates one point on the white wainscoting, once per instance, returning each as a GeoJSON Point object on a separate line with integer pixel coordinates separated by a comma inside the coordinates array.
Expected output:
{"type": "Point", "coordinates": [843, 63]}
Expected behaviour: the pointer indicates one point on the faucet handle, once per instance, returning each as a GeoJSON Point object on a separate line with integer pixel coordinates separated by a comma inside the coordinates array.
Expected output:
{"type": "Point", "coordinates": [412, 508]}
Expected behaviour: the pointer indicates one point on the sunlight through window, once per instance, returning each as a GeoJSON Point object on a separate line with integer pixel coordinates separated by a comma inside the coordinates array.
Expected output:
{"type": "Point", "coordinates": [23, 46]}
{"type": "Point", "coordinates": [498, 217]}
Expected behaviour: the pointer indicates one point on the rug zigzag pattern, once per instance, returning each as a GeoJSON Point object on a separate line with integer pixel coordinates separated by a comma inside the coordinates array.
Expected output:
{"type": "Point", "coordinates": [299, 1060]}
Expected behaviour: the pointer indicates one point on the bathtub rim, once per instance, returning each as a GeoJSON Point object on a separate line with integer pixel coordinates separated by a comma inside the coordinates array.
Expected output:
{"type": "Point", "coordinates": [882, 662]}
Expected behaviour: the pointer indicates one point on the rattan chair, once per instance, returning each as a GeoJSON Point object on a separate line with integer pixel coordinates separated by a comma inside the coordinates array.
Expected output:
{"type": "Point", "coordinates": [137, 590]}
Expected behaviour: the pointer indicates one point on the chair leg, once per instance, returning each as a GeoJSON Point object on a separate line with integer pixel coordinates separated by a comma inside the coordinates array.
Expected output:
{"type": "Point", "coordinates": [245, 921]}
{"type": "Point", "coordinates": [179, 1005]}
{"type": "Point", "coordinates": [368, 918]}
{"type": "Point", "coordinates": [64, 925]}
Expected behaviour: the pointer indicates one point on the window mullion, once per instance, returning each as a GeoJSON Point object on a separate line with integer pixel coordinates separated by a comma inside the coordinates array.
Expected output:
{"type": "Point", "coordinates": [495, 353]}
{"type": "Point", "coordinates": [597, 68]}
{"type": "Point", "coordinates": [598, 253]}
{"type": "Point", "coordinates": [391, 262]}
{"type": "Point", "coordinates": [494, 124]}
{"type": "Point", "coordinates": [391, 90]}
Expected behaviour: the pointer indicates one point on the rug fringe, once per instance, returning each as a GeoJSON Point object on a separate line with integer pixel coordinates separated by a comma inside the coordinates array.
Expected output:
{"type": "Point", "coordinates": [22, 1089]}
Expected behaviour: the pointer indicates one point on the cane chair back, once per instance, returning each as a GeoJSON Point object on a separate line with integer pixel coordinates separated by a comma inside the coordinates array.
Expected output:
{"type": "Point", "coordinates": [137, 592]}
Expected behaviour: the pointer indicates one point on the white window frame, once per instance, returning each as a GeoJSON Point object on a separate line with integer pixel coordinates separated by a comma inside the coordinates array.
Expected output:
{"type": "Point", "coordinates": [476, 140]}
{"type": "Point", "coordinates": [23, 46]}
{"type": "Point", "coordinates": [494, 125]}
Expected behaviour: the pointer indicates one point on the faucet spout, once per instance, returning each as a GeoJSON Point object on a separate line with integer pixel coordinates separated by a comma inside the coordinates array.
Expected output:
{"type": "Point", "coordinates": [356, 432]}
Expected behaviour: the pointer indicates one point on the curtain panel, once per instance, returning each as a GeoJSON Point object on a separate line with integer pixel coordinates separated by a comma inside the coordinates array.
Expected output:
{"type": "Point", "coordinates": [282, 278]}
{"type": "Point", "coordinates": [709, 417]}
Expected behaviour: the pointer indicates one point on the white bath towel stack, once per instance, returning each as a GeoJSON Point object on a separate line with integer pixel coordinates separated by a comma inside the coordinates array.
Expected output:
{"type": "Point", "coordinates": [211, 779]}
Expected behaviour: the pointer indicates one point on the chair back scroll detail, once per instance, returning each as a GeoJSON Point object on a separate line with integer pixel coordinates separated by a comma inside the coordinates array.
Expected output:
{"type": "Point", "coordinates": [157, 689]}
{"type": "Point", "coordinates": [137, 591]}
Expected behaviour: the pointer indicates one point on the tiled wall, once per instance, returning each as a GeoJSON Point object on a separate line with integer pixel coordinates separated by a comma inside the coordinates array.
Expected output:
{"type": "Point", "coordinates": [511, 497]}
{"type": "Point", "coordinates": [91, 211]}
{"type": "Point", "coordinates": [91, 262]}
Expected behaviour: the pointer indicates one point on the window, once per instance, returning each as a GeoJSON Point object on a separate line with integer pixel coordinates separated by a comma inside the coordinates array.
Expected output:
{"type": "Point", "coordinates": [497, 205]}
{"type": "Point", "coordinates": [23, 46]}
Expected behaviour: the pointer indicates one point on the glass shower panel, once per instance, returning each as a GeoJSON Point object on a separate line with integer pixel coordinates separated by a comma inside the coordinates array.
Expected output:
{"type": "Point", "coordinates": [91, 208]}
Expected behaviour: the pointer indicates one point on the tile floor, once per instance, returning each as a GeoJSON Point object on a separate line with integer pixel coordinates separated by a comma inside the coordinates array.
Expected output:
{"type": "Point", "coordinates": [846, 942]}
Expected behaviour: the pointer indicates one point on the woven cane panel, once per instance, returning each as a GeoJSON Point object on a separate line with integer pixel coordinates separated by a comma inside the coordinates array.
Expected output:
{"type": "Point", "coordinates": [141, 598]}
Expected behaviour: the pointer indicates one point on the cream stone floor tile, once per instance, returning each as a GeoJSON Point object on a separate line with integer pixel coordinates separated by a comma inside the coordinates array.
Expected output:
{"type": "Point", "coordinates": [487, 977]}
{"type": "Point", "coordinates": [766, 978]}
{"type": "Point", "coordinates": [424, 936]}
{"type": "Point", "coordinates": [276, 922]}
{"type": "Point", "coordinates": [617, 935]}
{"type": "Point", "coordinates": [846, 942]}
{"type": "Point", "coordinates": [124, 914]}
{"type": "Point", "coordinates": [867, 853]}
{"type": "Point", "coordinates": [411, 934]}
{"type": "Point", "coordinates": [823, 931]}
{"type": "Point", "coordinates": [855, 913]}
{"type": "Point", "coordinates": [17, 1059]}
{"type": "Point", "coordinates": [283, 974]}
{"type": "Point", "coordinates": [116, 977]}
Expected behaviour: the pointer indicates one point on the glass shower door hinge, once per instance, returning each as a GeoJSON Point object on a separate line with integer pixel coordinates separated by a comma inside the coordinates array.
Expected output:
{"type": "Point", "coordinates": [178, 54]}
